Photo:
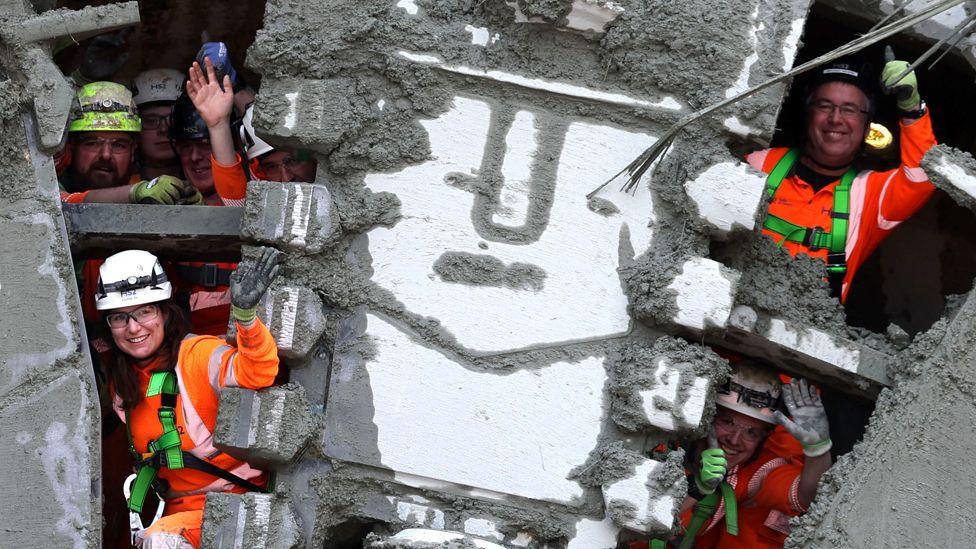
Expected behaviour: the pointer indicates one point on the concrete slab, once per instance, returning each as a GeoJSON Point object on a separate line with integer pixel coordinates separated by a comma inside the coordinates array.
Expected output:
{"type": "Point", "coordinates": [294, 216]}
{"type": "Point", "coordinates": [251, 520]}
{"type": "Point", "coordinates": [526, 430]}
{"type": "Point", "coordinates": [705, 294]}
{"type": "Point", "coordinates": [728, 196]}
{"type": "Point", "coordinates": [808, 352]}
{"type": "Point", "coordinates": [171, 232]}
{"type": "Point", "coordinates": [266, 428]}
{"type": "Point", "coordinates": [633, 503]}
{"type": "Point", "coordinates": [296, 317]}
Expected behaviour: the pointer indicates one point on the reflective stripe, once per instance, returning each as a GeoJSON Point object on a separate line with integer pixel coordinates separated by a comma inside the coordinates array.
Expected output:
{"type": "Point", "coordinates": [213, 367]}
{"type": "Point", "coordinates": [206, 300]}
{"type": "Point", "coordinates": [196, 429]}
{"type": "Point", "coordinates": [230, 378]}
{"type": "Point", "coordinates": [165, 540]}
{"type": "Point", "coordinates": [233, 201]}
{"type": "Point", "coordinates": [883, 223]}
{"type": "Point", "coordinates": [915, 175]}
{"type": "Point", "coordinates": [795, 496]}
{"type": "Point", "coordinates": [757, 159]}
{"type": "Point", "coordinates": [858, 193]}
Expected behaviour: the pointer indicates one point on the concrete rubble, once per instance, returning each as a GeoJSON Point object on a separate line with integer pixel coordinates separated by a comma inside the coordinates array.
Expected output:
{"type": "Point", "coordinates": [478, 355]}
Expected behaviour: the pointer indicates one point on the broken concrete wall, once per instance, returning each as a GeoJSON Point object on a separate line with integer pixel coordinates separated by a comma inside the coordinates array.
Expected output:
{"type": "Point", "coordinates": [482, 368]}
{"type": "Point", "coordinates": [49, 411]}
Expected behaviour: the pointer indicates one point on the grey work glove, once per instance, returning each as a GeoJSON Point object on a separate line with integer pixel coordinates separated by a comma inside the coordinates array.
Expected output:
{"type": "Point", "coordinates": [809, 424]}
{"type": "Point", "coordinates": [166, 190]}
{"type": "Point", "coordinates": [104, 55]}
{"type": "Point", "coordinates": [249, 282]}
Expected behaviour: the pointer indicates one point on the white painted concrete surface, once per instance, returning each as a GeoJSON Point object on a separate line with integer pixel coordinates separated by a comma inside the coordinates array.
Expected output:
{"type": "Point", "coordinates": [705, 293]}
{"type": "Point", "coordinates": [595, 534]}
{"type": "Point", "coordinates": [653, 512]}
{"type": "Point", "coordinates": [582, 297]}
{"type": "Point", "coordinates": [519, 434]}
{"type": "Point", "coordinates": [961, 179]}
{"type": "Point", "coordinates": [728, 195]}
{"type": "Point", "coordinates": [668, 386]}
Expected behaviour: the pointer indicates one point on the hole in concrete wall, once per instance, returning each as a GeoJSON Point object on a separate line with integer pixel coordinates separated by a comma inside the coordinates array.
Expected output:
{"type": "Point", "coordinates": [933, 254]}
{"type": "Point", "coordinates": [168, 37]}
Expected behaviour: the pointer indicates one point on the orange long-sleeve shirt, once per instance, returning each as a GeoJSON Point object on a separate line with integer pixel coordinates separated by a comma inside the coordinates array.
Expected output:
{"type": "Point", "coordinates": [879, 201]}
{"type": "Point", "coordinates": [205, 367]}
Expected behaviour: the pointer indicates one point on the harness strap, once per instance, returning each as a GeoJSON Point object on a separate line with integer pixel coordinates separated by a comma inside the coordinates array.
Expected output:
{"type": "Point", "coordinates": [208, 275]}
{"type": "Point", "coordinates": [706, 508]}
{"type": "Point", "coordinates": [166, 450]}
{"type": "Point", "coordinates": [815, 238]}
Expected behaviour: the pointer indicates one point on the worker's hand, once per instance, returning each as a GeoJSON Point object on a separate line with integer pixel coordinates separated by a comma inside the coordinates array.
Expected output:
{"type": "Point", "coordinates": [165, 189]}
{"type": "Point", "coordinates": [809, 424]}
{"type": "Point", "coordinates": [905, 90]}
{"type": "Point", "coordinates": [212, 102]}
{"type": "Point", "coordinates": [249, 282]}
{"type": "Point", "coordinates": [713, 467]}
{"type": "Point", "coordinates": [104, 55]}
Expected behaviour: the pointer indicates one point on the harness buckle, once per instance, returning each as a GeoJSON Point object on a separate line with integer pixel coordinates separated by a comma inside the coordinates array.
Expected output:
{"type": "Point", "coordinates": [812, 238]}
{"type": "Point", "coordinates": [209, 275]}
{"type": "Point", "coordinates": [836, 263]}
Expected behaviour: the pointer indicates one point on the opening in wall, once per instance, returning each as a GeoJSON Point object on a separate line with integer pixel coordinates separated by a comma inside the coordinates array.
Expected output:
{"type": "Point", "coordinates": [933, 254]}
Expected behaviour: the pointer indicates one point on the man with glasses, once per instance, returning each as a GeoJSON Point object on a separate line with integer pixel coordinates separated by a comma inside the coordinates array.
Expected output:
{"type": "Point", "coordinates": [748, 477]}
{"type": "Point", "coordinates": [102, 146]}
{"type": "Point", "coordinates": [820, 203]}
{"type": "Point", "coordinates": [155, 91]}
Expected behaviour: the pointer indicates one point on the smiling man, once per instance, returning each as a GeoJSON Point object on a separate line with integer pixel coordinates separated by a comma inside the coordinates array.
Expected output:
{"type": "Point", "coordinates": [821, 204]}
{"type": "Point", "coordinates": [102, 145]}
{"type": "Point", "coordinates": [746, 478]}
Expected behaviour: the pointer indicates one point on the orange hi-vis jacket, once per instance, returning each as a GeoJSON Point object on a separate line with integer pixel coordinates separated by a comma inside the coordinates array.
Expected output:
{"type": "Point", "coordinates": [767, 492]}
{"type": "Point", "coordinates": [879, 201]}
{"type": "Point", "coordinates": [230, 181]}
{"type": "Point", "coordinates": [205, 367]}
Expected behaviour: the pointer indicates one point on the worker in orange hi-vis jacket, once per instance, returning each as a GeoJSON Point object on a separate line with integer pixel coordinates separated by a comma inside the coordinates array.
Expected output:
{"type": "Point", "coordinates": [820, 204]}
{"type": "Point", "coordinates": [166, 386]}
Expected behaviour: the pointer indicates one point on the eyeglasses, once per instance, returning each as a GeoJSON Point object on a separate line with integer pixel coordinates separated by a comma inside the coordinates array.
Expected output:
{"type": "Point", "coordinates": [847, 110]}
{"type": "Point", "coordinates": [186, 148]}
{"type": "Point", "coordinates": [97, 144]}
{"type": "Point", "coordinates": [289, 162]}
{"type": "Point", "coordinates": [154, 122]}
{"type": "Point", "coordinates": [119, 320]}
{"type": "Point", "coordinates": [725, 425]}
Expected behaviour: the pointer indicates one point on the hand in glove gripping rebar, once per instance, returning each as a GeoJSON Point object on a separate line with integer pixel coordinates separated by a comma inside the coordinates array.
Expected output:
{"type": "Point", "coordinates": [713, 466]}
{"type": "Point", "coordinates": [809, 424]}
{"type": "Point", "coordinates": [906, 89]}
{"type": "Point", "coordinates": [250, 281]}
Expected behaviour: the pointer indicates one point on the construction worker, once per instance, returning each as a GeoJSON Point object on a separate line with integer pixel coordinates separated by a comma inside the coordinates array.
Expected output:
{"type": "Point", "coordinates": [102, 147]}
{"type": "Point", "coordinates": [745, 480]}
{"type": "Point", "coordinates": [155, 91]}
{"type": "Point", "coordinates": [166, 385]}
{"type": "Point", "coordinates": [821, 205]}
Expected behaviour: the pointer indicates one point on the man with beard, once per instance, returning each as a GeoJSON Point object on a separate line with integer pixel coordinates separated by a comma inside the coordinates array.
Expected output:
{"type": "Point", "coordinates": [102, 145]}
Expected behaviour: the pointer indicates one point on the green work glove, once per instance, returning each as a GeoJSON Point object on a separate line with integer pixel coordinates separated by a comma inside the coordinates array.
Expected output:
{"type": "Point", "coordinates": [809, 424]}
{"type": "Point", "coordinates": [713, 467]}
{"type": "Point", "coordinates": [249, 282]}
{"type": "Point", "coordinates": [906, 90]}
{"type": "Point", "coordinates": [165, 189]}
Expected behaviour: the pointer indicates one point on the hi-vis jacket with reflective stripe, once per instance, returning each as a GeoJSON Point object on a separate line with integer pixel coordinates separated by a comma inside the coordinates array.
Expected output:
{"type": "Point", "coordinates": [206, 365]}
{"type": "Point", "coordinates": [879, 201]}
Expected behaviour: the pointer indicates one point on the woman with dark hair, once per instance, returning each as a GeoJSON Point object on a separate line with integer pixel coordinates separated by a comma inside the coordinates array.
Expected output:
{"type": "Point", "coordinates": [166, 386]}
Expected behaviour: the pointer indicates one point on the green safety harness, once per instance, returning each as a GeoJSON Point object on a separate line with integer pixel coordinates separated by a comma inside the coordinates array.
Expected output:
{"type": "Point", "coordinates": [704, 510]}
{"type": "Point", "coordinates": [165, 451]}
{"type": "Point", "coordinates": [815, 238]}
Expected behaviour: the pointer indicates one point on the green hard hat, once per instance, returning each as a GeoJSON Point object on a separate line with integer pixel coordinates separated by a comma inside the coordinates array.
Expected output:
{"type": "Point", "coordinates": [104, 107]}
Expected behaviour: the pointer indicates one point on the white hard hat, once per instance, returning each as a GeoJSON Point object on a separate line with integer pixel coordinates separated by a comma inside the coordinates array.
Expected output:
{"type": "Point", "coordinates": [157, 85]}
{"type": "Point", "coordinates": [752, 391]}
{"type": "Point", "coordinates": [253, 145]}
{"type": "Point", "coordinates": [132, 277]}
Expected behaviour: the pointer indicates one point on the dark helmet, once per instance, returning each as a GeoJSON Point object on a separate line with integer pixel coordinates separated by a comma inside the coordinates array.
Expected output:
{"type": "Point", "coordinates": [185, 123]}
{"type": "Point", "coordinates": [850, 70]}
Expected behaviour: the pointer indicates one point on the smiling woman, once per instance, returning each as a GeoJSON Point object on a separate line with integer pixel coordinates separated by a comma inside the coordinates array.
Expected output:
{"type": "Point", "coordinates": [165, 384]}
